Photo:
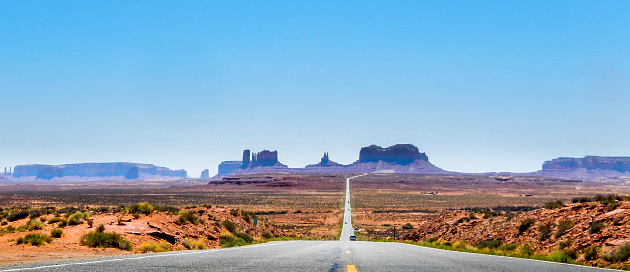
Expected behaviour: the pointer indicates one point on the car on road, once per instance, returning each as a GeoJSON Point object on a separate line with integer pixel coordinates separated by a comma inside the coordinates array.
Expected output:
{"type": "Point", "coordinates": [353, 238]}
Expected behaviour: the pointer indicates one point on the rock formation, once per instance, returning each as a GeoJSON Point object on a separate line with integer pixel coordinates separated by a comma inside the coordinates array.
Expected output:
{"type": "Point", "coordinates": [205, 174]}
{"type": "Point", "coordinates": [325, 160]}
{"type": "Point", "coordinates": [264, 158]}
{"type": "Point", "coordinates": [403, 154]}
{"type": "Point", "coordinates": [87, 170]}
{"type": "Point", "coordinates": [246, 156]}
{"type": "Point", "coordinates": [132, 173]}
{"type": "Point", "coordinates": [227, 167]}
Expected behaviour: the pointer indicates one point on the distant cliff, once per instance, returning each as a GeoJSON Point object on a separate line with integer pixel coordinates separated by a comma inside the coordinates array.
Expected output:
{"type": "Point", "coordinates": [403, 154]}
{"type": "Point", "coordinates": [587, 167]}
{"type": "Point", "coordinates": [114, 169]}
{"type": "Point", "coordinates": [400, 158]}
{"type": "Point", "coordinates": [227, 167]}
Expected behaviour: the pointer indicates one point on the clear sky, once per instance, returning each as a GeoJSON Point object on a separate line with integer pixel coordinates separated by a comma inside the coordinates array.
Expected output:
{"type": "Point", "coordinates": [477, 85]}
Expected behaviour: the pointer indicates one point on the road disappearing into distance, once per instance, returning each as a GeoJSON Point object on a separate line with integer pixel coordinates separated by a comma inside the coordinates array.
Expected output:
{"type": "Point", "coordinates": [342, 255]}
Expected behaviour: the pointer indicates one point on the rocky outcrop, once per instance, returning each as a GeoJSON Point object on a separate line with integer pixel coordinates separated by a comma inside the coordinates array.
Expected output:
{"type": "Point", "coordinates": [403, 154]}
{"type": "Point", "coordinates": [89, 170]}
{"type": "Point", "coordinates": [227, 167]}
{"type": "Point", "coordinates": [205, 174]}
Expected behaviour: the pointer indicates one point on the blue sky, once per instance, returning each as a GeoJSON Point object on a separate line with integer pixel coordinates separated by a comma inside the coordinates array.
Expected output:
{"type": "Point", "coordinates": [477, 85]}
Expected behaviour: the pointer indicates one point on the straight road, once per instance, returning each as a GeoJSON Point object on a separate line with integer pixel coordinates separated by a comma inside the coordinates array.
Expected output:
{"type": "Point", "coordinates": [342, 255]}
{"type": "Point", "coordinates": [347, 230]}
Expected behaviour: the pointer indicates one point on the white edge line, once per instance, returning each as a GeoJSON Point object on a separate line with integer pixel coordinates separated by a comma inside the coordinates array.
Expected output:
{"type": "Point", "coordinates": [516, 258]}
{"type": "Point", "coordinates": [146, 257]}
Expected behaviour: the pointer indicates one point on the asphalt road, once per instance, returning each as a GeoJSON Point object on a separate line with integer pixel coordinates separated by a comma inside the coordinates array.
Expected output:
{"type": "Point", "coordinates": [342, 255]}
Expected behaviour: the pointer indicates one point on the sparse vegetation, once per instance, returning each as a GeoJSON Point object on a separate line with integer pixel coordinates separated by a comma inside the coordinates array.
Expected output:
{"type": "Point", "coordinates": [190, 244]}
{"type": "Point", "coordinates": [545, 231]}
{"type": "Point", "coordinates": [17, 215]}
{"type": "Point", "coordinates": [141, 208]}
{"type": "Point", "coordinates": [55, 219]}
{"type": "Point", "coordinates": [162, 246]}
{"type": "Point", "coordinates": [102, 239]}
{"type": "Point", "coordinates": [35, 239]}
{"type": "Point", "coordinates": [564, 244]}
{"type": "Point", "coordinates": [525, 225]}
{"type": "Point", "coordinates": [489, 244]}
{"type": "Point", "coordinates": [246, 237]}
{"type": "Point", "coordinates": [78, 218]}
{"type": "Point", "coordinates": [229, 225]}
{"type": "Point", "coordinates": [595, 227]}
{"type": "Point", "coordinates": [591, 253]}
{"type": "Point", "coordinates": [554, 205]}
{"type": "Point", "coordinates": [563, 227]}
{"type": "Point", "coordinates": [620, 255]}
{"type": "Point", "coordinates": [186, 217]}
{"type": "Point", "coordinates": [407, 226]}
{"type": "Point", "coordinates": [231, 241]}
{"type": "Point", "coordinates": [56, 233]}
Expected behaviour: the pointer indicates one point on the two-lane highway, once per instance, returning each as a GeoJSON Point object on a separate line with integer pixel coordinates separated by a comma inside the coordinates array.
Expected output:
{"type": "Point", "coordinates": [347, 230]}
{"type": "Point", "coordinates": [343, 255]}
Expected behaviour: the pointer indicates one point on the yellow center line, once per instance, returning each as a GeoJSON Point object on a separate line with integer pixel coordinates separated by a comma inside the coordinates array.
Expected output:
{"type": "Point", "coordinates": [348, 251]}
{"type": "Point", "coordinates": [351, 268]}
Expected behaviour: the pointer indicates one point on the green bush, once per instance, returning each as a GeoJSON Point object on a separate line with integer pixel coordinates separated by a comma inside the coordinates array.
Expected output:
{"type": "Point", "coordinates": [54, 220]}
{"type": "Point", "coordinates": [229, 225]}
{"type": "Point", "coordinates": [36, 239]}
{"type": "Point", "coordinates": [230, 241]}
{"type": "Point", "coordinates": [56, 233]}
{"type": "Point", "coordinates": [407, 226]}
{"type": "Point", "coordinates": [525, 225]}
{"type": "Point", "coordinates": [580, 200]}
{"type": "Point", "coordinates": [248, 239]}
{"type": "Point", "coordinates": [612, 206]}
{"type": "Point", "coordinates": [554, 205]}
{"type": "Point", "coordinates": [591, 253]}
{"type": "Point", "coordinates": [35, 225]}
{"type": "Point", "coordinates": [17, 215]}
{"type": "Point", "coordinates": [234, 212]}
{"type": "Point", "coordinates": [78, 218]}
{"type": "Point", "coordinates": [22, 228]}
{"type": "Point", "coordinates": [545, 231]}
{"type": "Point", "coordinates": [563, 227]}
{"type": "Point", "coordinates": [62, 223]}
{"type": "Point", "coordinates": [564, 244]}
{"type": "Point", "coordinates": [190, 244]}
{"type": "Point", "coordinates": [186, 217]}
{"type": "Point", "coordinates": [102, 239]}
{"type": "Point", "coordinates": [432, 239]}
{"type": "Point", "coordinates": [163, 246]}
{"type": "Point", "coordinates": [559, 257]}
{"type": "Point", "coordinates": [490, 244]}
{"type": "Point", "coordinates": [142, 207]}
{"type": "Point", "coordinates": [620, 255]}
{"type": "Point", "coordinates": [571, 253]}
{"type": "Point", "coordinates": [508, 247]}
{"type": "Point", "coordinates": [595, 227]}
{"type": "Point", "coordinates": [100, 228]}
